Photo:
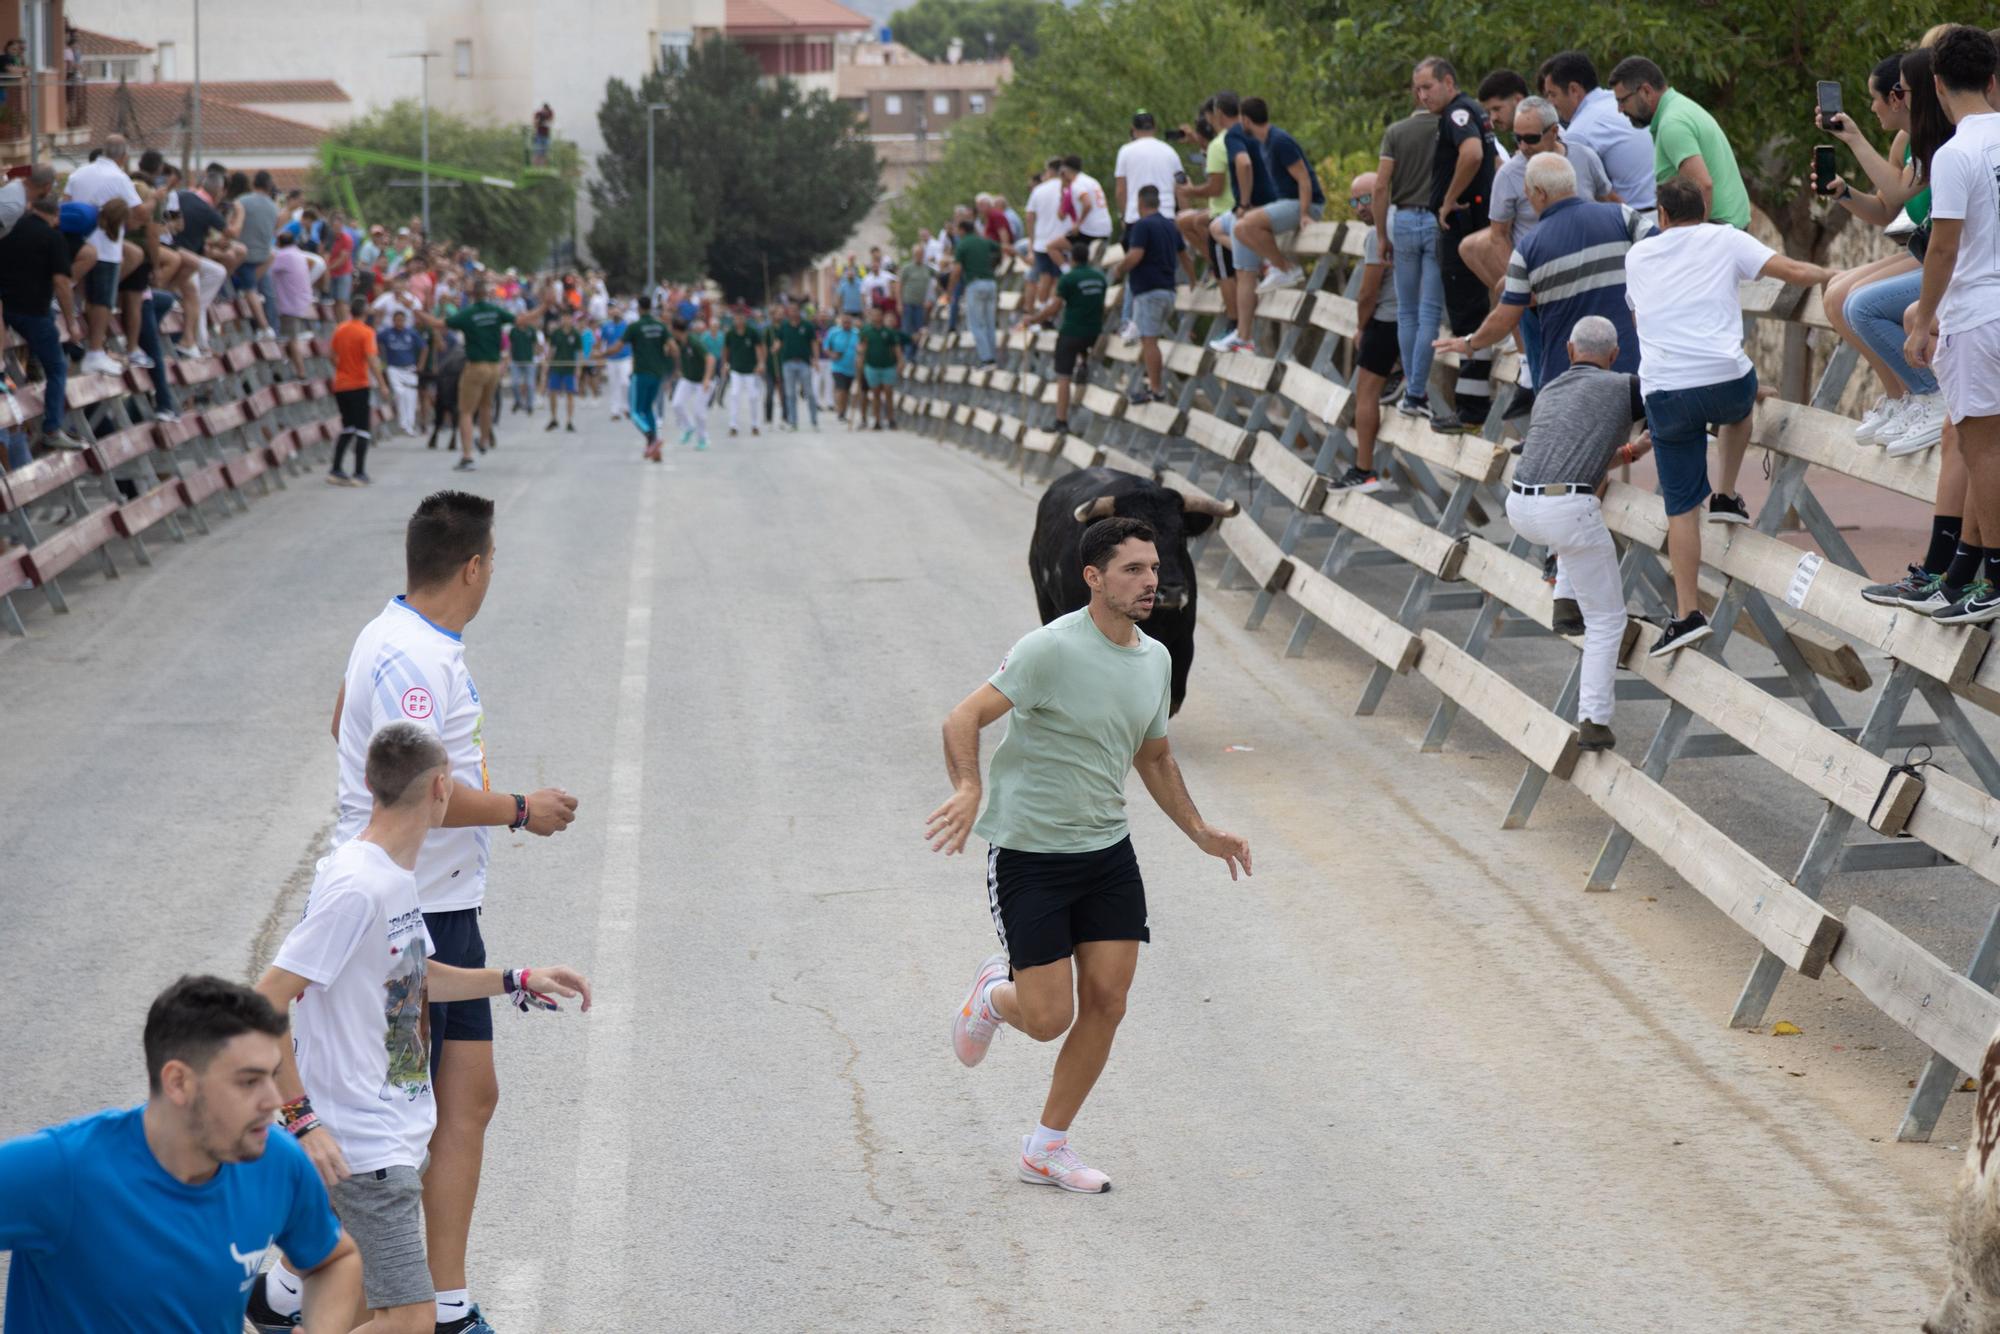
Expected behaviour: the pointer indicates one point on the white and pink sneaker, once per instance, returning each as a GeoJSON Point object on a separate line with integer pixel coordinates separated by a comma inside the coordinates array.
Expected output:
{"type": "Point", "coordinates": [972, 1028]}
{"type": "Point", "coordinates": [1057, 1165]}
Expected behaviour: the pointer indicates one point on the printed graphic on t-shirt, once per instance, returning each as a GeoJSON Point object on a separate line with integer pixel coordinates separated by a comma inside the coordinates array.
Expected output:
{"type": "Point", "coordinates": [408, 1018]}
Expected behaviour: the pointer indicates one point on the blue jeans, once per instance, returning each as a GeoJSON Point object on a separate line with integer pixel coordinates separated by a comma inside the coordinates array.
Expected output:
{"type": "Point", "coordinates": [1531, 338]}
{"type": "Point", "coordinates": [798, 380]}
{"type": "Point", "coordinates": [1419, 295]}
{"type": "Point", "coordinates": [1679, 420]}
{"type": "Point", "coordinates": [39, 333]}
{"type": "Point", "coordinates": [982, 307]}
{"type": "Point", "coordinates": [1875, 313]}
{"type": "Point", "coordinates": [645, 404]}
{"type": "Point", "coordinates": [915, 317]}
{"type": "Point", "coordinates": [521, 379]}
{"type": "Point", "coordinates": [150, 310]}
{"type": "Point", "coordinates": [19, 455]}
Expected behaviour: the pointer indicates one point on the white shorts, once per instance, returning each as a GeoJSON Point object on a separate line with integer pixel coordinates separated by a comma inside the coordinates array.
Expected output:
{"type": "Point", "coordinates": [1968, 371]}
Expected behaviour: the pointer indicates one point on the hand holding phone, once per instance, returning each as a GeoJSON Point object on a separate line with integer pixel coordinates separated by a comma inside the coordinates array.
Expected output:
{"type": "Point", "coordinates": [1829, 105]}
{"type": "Point", "coordinates": [1825, 170]}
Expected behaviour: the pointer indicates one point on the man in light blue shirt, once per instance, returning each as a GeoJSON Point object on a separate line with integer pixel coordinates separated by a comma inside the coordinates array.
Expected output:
{"type": "Point", "coordinates": [1591, 118]}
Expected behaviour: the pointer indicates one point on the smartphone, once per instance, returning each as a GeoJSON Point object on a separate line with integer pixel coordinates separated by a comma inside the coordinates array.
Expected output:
{"type": "Point", "coordinates": [1176, 134]}
{"type": "Point", "coordinates": [1829, 102]}
{"type": "Point", "coordinates": [1825, 168]}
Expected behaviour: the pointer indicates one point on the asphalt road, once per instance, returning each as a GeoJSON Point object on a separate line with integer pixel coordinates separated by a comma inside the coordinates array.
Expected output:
{"type": "Point", "coordinates": [1404, 1079]}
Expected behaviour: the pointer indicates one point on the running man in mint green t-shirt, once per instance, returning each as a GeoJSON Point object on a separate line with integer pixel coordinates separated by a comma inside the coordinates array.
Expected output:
{"type": "Point", "coordinates": [1088, 698]}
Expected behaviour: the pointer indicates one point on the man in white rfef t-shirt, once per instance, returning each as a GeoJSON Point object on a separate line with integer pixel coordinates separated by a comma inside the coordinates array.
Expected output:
{"type": "Point", "coordinates": [409, 663]}
{"type": "Point", "coordinates": [1956, 321]}
{"type": "Point", "coordinates": [357, 1083]}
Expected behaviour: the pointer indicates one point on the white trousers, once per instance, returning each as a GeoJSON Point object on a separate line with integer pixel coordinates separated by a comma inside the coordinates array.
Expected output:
{"type": "Point", "coordinates": [403, 379]}
{"type": "Point", "coordinates": [691, 407]}
{"type": "Point", "coordinates": [1572, 527]}
{"type": "Point", "coordinates": [745, 387]}
{"type": "Point", "coordinates": [620, 378]}
{"type": "Point", "coordinates": [823, 382]}
{"type": "Point", "coordinates": [209, 277]}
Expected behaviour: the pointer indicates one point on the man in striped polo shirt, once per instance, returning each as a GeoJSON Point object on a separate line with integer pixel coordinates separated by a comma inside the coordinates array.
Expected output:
{"type": "Point", "coordinates": [1570, 266]}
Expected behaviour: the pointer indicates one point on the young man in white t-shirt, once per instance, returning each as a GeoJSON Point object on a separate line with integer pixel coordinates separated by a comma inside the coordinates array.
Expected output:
{"type": "Point", "coordinates": [409, 663]}
{"type": "Point", "coordinates": [1681, 283]}
{"type": "Point", "coordinates": [357, 1080]}
{"type": "Point", "coordinates": [1142, 161]}
{"type": "Point", "coordinates": [1956, 321]}
{"type": "Point", "coordinates": [1046, 227]}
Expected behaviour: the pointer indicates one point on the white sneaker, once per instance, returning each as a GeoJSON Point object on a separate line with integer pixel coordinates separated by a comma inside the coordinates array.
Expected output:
{"type": "Point", "coordinates": [1222, 340]}
{"type": "Point", "coordinates": [1058, 1166]}
{"type": "Point", "coordinates": [972, 1028]}
{"type": "Point", "coordinates": [139, 360]}
{"type": "Point", "coordinates": [1130, 333]}
{"type": "Point", "coordinates": [1922, 426]}
{"type": "Point", "coordinates": [101, 363]}
{"type": "Point", "coordinates": [1235, 344]}
{"type": "Point", "coordinates": [1280, 278]}
{"type": "Point", "coordinates": [1877, 420]}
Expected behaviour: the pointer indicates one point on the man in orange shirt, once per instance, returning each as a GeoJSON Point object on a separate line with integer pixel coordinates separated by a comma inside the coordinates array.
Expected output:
{"type": "Point", "coordinates": [356, 366]}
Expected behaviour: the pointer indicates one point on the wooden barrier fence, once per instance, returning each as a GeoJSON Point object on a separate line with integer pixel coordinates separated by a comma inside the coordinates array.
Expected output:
{"type": "Point", "coordinates": [1271, 431]}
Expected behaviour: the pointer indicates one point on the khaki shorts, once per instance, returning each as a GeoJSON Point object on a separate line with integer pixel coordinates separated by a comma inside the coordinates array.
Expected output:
{"type": "Point", "coordinates": [479, 386]}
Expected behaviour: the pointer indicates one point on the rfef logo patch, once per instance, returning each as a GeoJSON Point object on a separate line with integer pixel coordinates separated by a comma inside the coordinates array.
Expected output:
{"type": "Point", "coordinates": [417, 703]}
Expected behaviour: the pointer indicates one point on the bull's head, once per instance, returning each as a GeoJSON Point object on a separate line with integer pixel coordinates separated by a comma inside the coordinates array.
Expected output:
{"type": "Point", "coordinates": [1174, 524]}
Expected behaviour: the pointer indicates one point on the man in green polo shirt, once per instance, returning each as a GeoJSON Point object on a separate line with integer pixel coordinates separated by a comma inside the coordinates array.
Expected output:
{"type": "Point", "coordinates": [482, 325]}
{"type": "Point", "coordinates": [696, 385]}
{"type": "Point", "coordinates": [1686, 140]}
{"type": "Point", "coordinates": [972, 281]}
{"type": "Point", "coordinates": [798, 349]}
{"type": "Point", "coordinates": [523, 351]}
{"type": "Point", "coordinates": [743, 353]}
{"type": "Point", "coordinates": [881, 355]}
{"type": "Point", "coordinates": [565, 354]}
{"type": "Point", "coordinates": [652, 345]}
{"type": "Point", "coordinates": [1079, 299]}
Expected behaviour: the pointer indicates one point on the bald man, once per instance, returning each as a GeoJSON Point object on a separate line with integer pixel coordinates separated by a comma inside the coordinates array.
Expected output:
{"type": "Point", "coordinates": [1378, 352]}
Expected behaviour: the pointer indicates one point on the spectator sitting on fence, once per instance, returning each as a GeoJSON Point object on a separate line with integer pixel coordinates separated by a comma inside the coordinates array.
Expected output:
{"type": "Point", "coordinates": [1583, 422]}
{"type": "Point", "coordinates": [1376, 349]}
{"type": "Point", "coordinates": [1079, 299]}
{"type": "Point", "coordinates": [1195, 205]}
{"type": "Point", "coordinates": [1865, 305]}
{"type": "Point", "coordinates": [193, 221]}
{"type": "Point", "coordinates": [1687, 143]}
{"type": "Point", "coordinates": [99, 183]}
{"type": "Point", "coordinates": [1149, 268]}
{"type": "Point", "coordinates": [1500, 93]}
{"type": "Point", "coordinates": [1044, 225]}
{"type": "Point", "coordinates": [1087, 212]}
{"type": "Point", "coordinates": [1682, 283]}
{"type": "Point", "coordinates": [296, 274]}
{"type": "Point", "coordinates": [1225, 115]}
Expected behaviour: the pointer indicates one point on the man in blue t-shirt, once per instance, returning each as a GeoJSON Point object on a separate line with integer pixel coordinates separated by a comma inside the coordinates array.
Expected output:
{"type": "Point", "coordinates": [403, 353]}
{"type": "Point", "coordinates": [839, 344]}
{"type": "Point", "coordinates": [617, 361]}
{"type": "Point", "coordinates": [1295, 196]}
{"type": "Point", "coordinates": [1152, 246]}
{"type": "Point", "coordinates": [156, 1219]}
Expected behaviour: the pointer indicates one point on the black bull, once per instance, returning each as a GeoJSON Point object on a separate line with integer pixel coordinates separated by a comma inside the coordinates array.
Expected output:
{"type": "Point", "coordinates": [1055, 557]}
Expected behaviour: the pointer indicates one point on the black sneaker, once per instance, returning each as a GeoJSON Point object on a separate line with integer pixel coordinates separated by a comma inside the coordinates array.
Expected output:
{"type": "Point", "coordinates": [264, 1317]}
{"type": "Point", "coordinates": [338, 477]}
{"type": "Point", "coordinates": [464, 465]}
{"type": "Point", "coordinates": [1142, 395]}
{"type": "Point", "coordinates": [1568, 619]}
{"type": "Point", "coordinates": [1362, 481]}
{"type": "Point", "coordinates": [1391, 391]}
{"type": "Point", "coordinates": [571, 428]}
{"type": "Point", "coordinates": [1727, 509]}
{"type": "Point", "coordinates": [474, 1323]}
{"type": "Point", "coordinates": [1933, 597]}
{"type": "Point", "coordinates": [1594, 736]}
{"type": "Point", "coordinates": [1910, 585]}
{"type": "Point", "coordinates": [553, 424]}
{"type": "Point", "coordinates": [1061, 427]}
{"type": "Point", "coordinates": [1523, 404]}
{"type": "Point", "coordinates": [1446, 422]}
{"type": "Point", "coordinates": [363, 479]}
{"type": "Point", "coordinates": [1689, 629]}
{"type": "Point", "coordinates": [1980, 602]}
{"type": "Point", "coordinates": [1414, 407]}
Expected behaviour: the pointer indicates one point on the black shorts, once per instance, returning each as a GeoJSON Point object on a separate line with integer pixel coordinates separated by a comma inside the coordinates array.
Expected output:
{"type": "Point", "coordinates": [843, 381]}
{"type": "Point", "coordinates": [353, 405]}
{"type": "Point", "coordinates": [456, 940]}
{"type": "Point", "coordinates": [1221, 258]}
{"type": "Point", "coordinates": [100, 285]}
{"type": "Point", "coordinates": [1379, 349]}
{"type": "Point", "coordinates": [1044, 903]}
{"type": "Point", "coordinates": [1073, 356]}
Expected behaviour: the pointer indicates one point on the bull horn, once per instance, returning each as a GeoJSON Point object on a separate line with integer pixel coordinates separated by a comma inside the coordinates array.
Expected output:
{"type": "Point", "coordinates": [1194, 500]}
{"type": "Point", "coordinates": [1101, 508]}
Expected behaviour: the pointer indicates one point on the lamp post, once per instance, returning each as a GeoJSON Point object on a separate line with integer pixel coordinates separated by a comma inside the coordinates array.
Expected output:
{"type": "Point", "coordinates": [426, 57]}
{"type": "Point", "coordinates": [652, 108]}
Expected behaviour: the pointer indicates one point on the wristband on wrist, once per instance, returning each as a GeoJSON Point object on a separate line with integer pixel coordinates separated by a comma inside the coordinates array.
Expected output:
{"type": "Point", "coordinates": [298, 1116]}
{"type": "Point", "coordinates": [520, 812]}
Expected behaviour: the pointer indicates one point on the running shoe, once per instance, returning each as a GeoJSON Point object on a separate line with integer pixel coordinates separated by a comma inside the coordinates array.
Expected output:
{"type": "Point", "coordinates": [571, 428]}
{"type": "Point", "coordinates": [1222, 340]}
{"type": "Point", "coordinates": [1392, 390]}
{"type": "Point", "coordinates": [1880, 421]}
{"type": "Point", "coordinates": [1933, 597]}
{"type": "Point", "coordinates": [472, 1323]}
{"type": "Point", "coordinates": [263, 1317]}
{"type": "Point", "coordinates": [972, 1028]}
{"type": "Point", "coordinates": [701, 444]}
{"type": "Point", "coordinates": [1236, 344]}
{"type": "Point", "coordinates": [1130, 333]}
{"type": "Point", "coordinates": [1061, 427]}
{"type": "Point", "coordinates": [63, 440]}
{"type": "Point", "coordinates": [1522, 404]}
{"type": "Point", "coordinates": [464, 465]}
{"type": "Point", "coordinates": [1678, 634]}
{"type": "Point", "coordinates": [687, 435]}
{"type": "Point", "coordinates": [1980, 602]}
{"type": "Point", "coordinates": [138, 360]}
{"type": "Point", "coordinates": [363, 479]}
{"type": "Point", "coordinates": [1413, 407]}
{"type": "Point", "coordinates": [1727, 509]}
{"type": "Point", "coordinates": [553, 424]}
{"type": "Point", "coordinates": [1922, 426]}
{"type": "Point", "coordinates": [1444, 421]}
{"type": "Point", "coordinates": [1594, 736]}
{"type": "Point", "coordinates": [1568, 617]}
{"type": "Point", "coordinates": [338, 477]}
{"type": "Point", "coordinates": [101, 363]}
{"type": "Point", "coordinates": [1142, 395]}
{"type": "Point", "coordinates": [1281, 278]}
{"type": "Point", "coordinates": [1892, 594]}
{"type": "Point", "coordinates": [166, 415]}
{"type": "Point", "coordinates": [1058, 1166]}
{"type": "Point", "coordinates": [1362, 481]}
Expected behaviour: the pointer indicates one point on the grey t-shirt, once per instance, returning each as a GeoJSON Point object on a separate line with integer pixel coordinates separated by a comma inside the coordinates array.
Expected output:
{"type": "Point", "coordinates": [260, 226]}
{"type": "Point", "coordinates": [1581, 417]}
{"type": "Point", "coordinates": [1510, 188]}
{"type": "Point", "coordinates": [1411, 143]}
{"type": "Point", "coordinates": [1385, 297]}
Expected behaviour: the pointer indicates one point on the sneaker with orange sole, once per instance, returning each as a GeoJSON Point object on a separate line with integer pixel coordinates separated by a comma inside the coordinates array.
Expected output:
{"type": "Point", "coordinates": [972, 1028]}
{"type": "Point", "coordinates": [1057, 1165]}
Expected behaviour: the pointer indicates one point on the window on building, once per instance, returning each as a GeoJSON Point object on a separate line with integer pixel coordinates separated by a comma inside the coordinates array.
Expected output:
{"type": "Point", "coordinates": [941, 104]}
{"type": "Point", "coordinates": [461, 59]}
{"type": "Point", "coordinates": [977, 102]}
{"type": "Point", "coordinates": [819, 57]}
{"type": "Point", "coordinates": [675, 46]}
{"type": "Point", "coordinates": [892, 104]}
{"type": "Point", "coordinates": [169, 69]}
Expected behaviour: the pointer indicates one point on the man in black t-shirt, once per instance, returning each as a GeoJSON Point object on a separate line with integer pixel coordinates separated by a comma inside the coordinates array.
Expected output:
{"type": "Point", "coordinates": [193, 220]}
{"type": "Point", "coordinates": [34, 270]}
{"type": "Point", "coordinates": [1461, 192]}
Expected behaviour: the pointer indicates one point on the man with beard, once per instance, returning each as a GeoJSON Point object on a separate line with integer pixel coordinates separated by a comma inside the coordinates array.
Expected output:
{"type": "Point", "coordinates": [1089, 694]}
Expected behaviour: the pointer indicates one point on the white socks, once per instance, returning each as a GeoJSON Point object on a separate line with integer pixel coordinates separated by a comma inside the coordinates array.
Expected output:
{"type": "Point", "coordinates": [284, 1290]}
{"type": "Point", "coordinates": [453, 1305]}
{"type": "Point", "coordinates": [1043, 1137]}
{"type": "Point", "coordinates": [986, 1000]}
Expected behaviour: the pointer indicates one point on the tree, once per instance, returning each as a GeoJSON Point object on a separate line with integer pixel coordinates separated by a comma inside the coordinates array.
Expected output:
{"type": "Point", "coordinates": [988, 29]}
{"type": "Point", "coordinates": [753, 179]}
{"type": "Point", "coordinates": [511, 227]}
{"type": "Point", "coordinates": [1753, 63]}
{"type": "Point", "coordinates": [1099, 62]}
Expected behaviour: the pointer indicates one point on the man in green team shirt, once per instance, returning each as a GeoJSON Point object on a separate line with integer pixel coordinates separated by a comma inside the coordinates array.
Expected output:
{"type": "Point", "coordinates": [652, 345]}
{"type": "Point", "coordinates": [481, 324]}
{"type": "Point", "coordinates": [522, 351]}
{"type": "Point", "coordinates": [565, 352]}
{"type": "Point", "coordinates": [798, 349]}
{"type": "Point", "coordinates": [1079, 299]}
{"type": "Point", "coordinates": [743, 352]}
{"type": "Point", "coordinates": [696, 385]}
{"type": "Point", "coordinates": [881, 355]}
{"type": "Point", "coordinates": [972, 280]}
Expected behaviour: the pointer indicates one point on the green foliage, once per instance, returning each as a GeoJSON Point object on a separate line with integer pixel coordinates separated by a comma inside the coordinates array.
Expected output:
{"type": "Point", "coordinates": [1753, 63]}
{"type": "Point", "coordinates": [1099, 62]}
{"type": "Point", "coordinates": [510, 227]}
{"type": "Point", "coordinates": [753, 179]}
{"type": "Point", "coordinates": [988, 28]}
{"type": "Point", "coordinates": [1336, 170]}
